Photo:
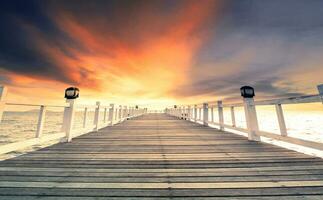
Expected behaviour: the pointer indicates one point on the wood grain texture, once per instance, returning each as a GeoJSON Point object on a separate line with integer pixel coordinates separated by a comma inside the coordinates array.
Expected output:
{"type": "Point", "coordinates": [156, 156]}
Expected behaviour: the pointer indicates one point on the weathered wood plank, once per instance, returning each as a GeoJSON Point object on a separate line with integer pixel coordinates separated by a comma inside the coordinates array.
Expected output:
{"type": "Point", "coordinates": [156, 156]}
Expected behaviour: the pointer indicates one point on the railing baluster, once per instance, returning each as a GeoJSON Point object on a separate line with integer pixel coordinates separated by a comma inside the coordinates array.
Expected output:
{"type": "Point", "coordinates": [96, 116]}
{"type": "Point", "coordinates": [192, 113]}
{"type": "Point", "coordinates": [281, 120]}
{"type": "Point", "coordinates": [41, 120]}
{"type": "Point", "coordinates": [125, 112]}
{"type": "Point", "coordinates": [205, 114]}
{"type": "Point", "coordinates": [221, 117]}
{"type": "Point", "coordinates": [116, 114]}
{"type": "Point", "coordinates": [200, 114]}
{"type": "Point", "coordinates": [111, 111]}
{"type": "Point", "coordinates": [105, 115]}
{"type": "Point", "coordinates": [84, 117]}
{"type": "Point", "coordinates": [195, 113]}
{"type": "Point", "coordinates": [189, 113]}
{"type": "Point", "coordinates": [68, 120]}
{"type": "Point", "coordinates": [251, 119]}
{"type": "Point", "coordinates": [233, 118]}
{"type": "Point", "coordinates": [120, 113]}
{"type": "Point", "coordinates": [182, 112]}
{"type": "Point", "coordinates": [3, 96]}
{"type": "Point", "coordinates": [212, 114]}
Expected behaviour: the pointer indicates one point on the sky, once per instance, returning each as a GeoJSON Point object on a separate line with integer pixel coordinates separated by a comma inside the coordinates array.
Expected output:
{"type": "Point", "coordinates": [160, 51]}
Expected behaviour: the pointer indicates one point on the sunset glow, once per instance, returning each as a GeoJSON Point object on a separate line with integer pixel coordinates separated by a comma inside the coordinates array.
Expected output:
{"type": "Point", "coordinates": [159, 52]}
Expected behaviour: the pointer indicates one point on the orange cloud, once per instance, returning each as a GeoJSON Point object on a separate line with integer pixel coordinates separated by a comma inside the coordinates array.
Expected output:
{"type": "Point", "coordinates": [151, 68]}
{"type": "Point", "coordinates": [142, 56]}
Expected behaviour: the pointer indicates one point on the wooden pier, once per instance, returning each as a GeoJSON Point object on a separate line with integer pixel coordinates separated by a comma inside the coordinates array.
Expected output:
{"type": "Point", "coordinates": [157, 156]}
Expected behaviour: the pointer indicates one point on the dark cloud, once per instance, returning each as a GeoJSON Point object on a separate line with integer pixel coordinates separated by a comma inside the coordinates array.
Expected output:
{"type": "Point", "coordinates": [274, 37]}
{"type": "Point", "coordinates": [19, 51]}
{"type": "Point", "coordinates": [35, 41]}
{"type": "Point", "coordinates": [278, 35]}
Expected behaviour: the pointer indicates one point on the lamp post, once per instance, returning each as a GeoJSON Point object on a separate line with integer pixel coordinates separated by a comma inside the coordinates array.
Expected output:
{"type": "Point", "coordinates": [248, 93]}
{"type": "Point", "coordinates": [71, 94]}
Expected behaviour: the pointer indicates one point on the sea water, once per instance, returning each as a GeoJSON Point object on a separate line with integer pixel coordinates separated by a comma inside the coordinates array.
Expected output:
{"type": "Point", "coordinates": [305, 124]}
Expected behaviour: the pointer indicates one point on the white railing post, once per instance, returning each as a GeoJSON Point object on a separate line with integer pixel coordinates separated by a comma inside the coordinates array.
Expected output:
{"type": "Point", "coordinates": [205, 114]}
{"type": "Point", "coordinates": [192, 113]}
{"type": "Point", "coordinates": [105, 115]}
{"type": "Point", "coordinates": [189, 113]}
{"type": "Point", "coordinates": [111, 111]}
{"type": "Point", "coordinates": [41, 120]}
{"type": "Point", "coordinates": [251, 119]}
{"type": "Point", "coordinates": [179, 111]}
{"type": "Point", "coordinates": [84, 117]}
{"type": "Point", "coordinates": [116, 114]}
{"type": "Point", "coordinates": [221, 118]}
{"type": "Point", "coordinates": [320, 89]}
{"type": "Point", "coordinates": [212, 114]}
{"type": "Point", "coordinates": [120, 113]}
{"type": "Point", "coordinates": [96, 116]}
{"type": "Point", "coordinates": [125, 112]}
{"type": "Point", "coordinates": [131, 111]}
{"type": "Point", "coordinates": [68, 119]}
{"type": "Point", "coordinates": [195, 113]}
{"type": "Point", "coordinates": [3, 96]}
{"type": "Point", "coordinates": [182, 112]}
{"type": "Point", "coordinates": [233, 118]}
{"type": "Point", "coordinates": [281, 120]}
{"type": "Point", "coordinates": [200, 114]}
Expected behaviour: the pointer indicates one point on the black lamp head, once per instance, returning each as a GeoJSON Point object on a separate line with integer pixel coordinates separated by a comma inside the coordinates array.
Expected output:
{"type": "Point", "coordinates": [247, 92]}
{"type": "Point", "coordinates": [137, 107]}
{"type": "Point", "coordinates": [175, 106]}
{"type": "Point", "coordinates": [72, 93]}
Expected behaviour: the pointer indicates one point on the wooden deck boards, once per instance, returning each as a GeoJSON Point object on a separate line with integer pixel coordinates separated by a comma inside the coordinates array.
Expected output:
{"type": "Point", "coordinates": [156, 156]}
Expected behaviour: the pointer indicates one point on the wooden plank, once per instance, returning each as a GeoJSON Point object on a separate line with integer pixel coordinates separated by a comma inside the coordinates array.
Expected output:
{"type": "Point", "coordinates": [157, 156]}
{"type": "Point", "coordinates": [27, 143]}
{"type": "Point", "coordinates": [130, 185]}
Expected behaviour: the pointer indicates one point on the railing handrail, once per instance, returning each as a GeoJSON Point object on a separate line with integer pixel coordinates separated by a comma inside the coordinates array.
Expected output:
{"type": "Point", "coordinates": [112, 114]}
{"type": "Point", "coordinates": [313, 98]}
{"type": "Point", "coordinates": [35, 105]}
{"type": "Point", "coordinates": [291, 100]}
{"type": "Point", "coordinates": [199, 114]}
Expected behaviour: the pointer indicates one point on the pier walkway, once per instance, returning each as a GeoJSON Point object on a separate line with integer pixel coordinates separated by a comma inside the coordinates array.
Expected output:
{"type": "Point", "coordinates": [157, 156]}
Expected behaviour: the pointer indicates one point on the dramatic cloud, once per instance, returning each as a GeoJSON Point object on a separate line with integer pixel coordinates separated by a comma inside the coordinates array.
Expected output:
{"type": "Point", "coordinates": [161, 50]}
{"type": "Point", "coordinates": [133, 48]}
{"type": "Point", "coordinates": [275, 46]}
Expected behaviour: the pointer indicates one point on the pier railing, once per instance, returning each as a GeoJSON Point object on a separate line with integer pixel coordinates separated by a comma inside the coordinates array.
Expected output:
{"type": "Point", "coordinates": [112, 114]}
{"type": "Point", "coordinates": [203, 113]}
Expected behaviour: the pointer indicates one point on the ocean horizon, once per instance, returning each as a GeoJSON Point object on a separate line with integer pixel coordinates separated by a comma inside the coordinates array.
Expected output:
{"type": "Point", "coordinates": [307, 124]}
